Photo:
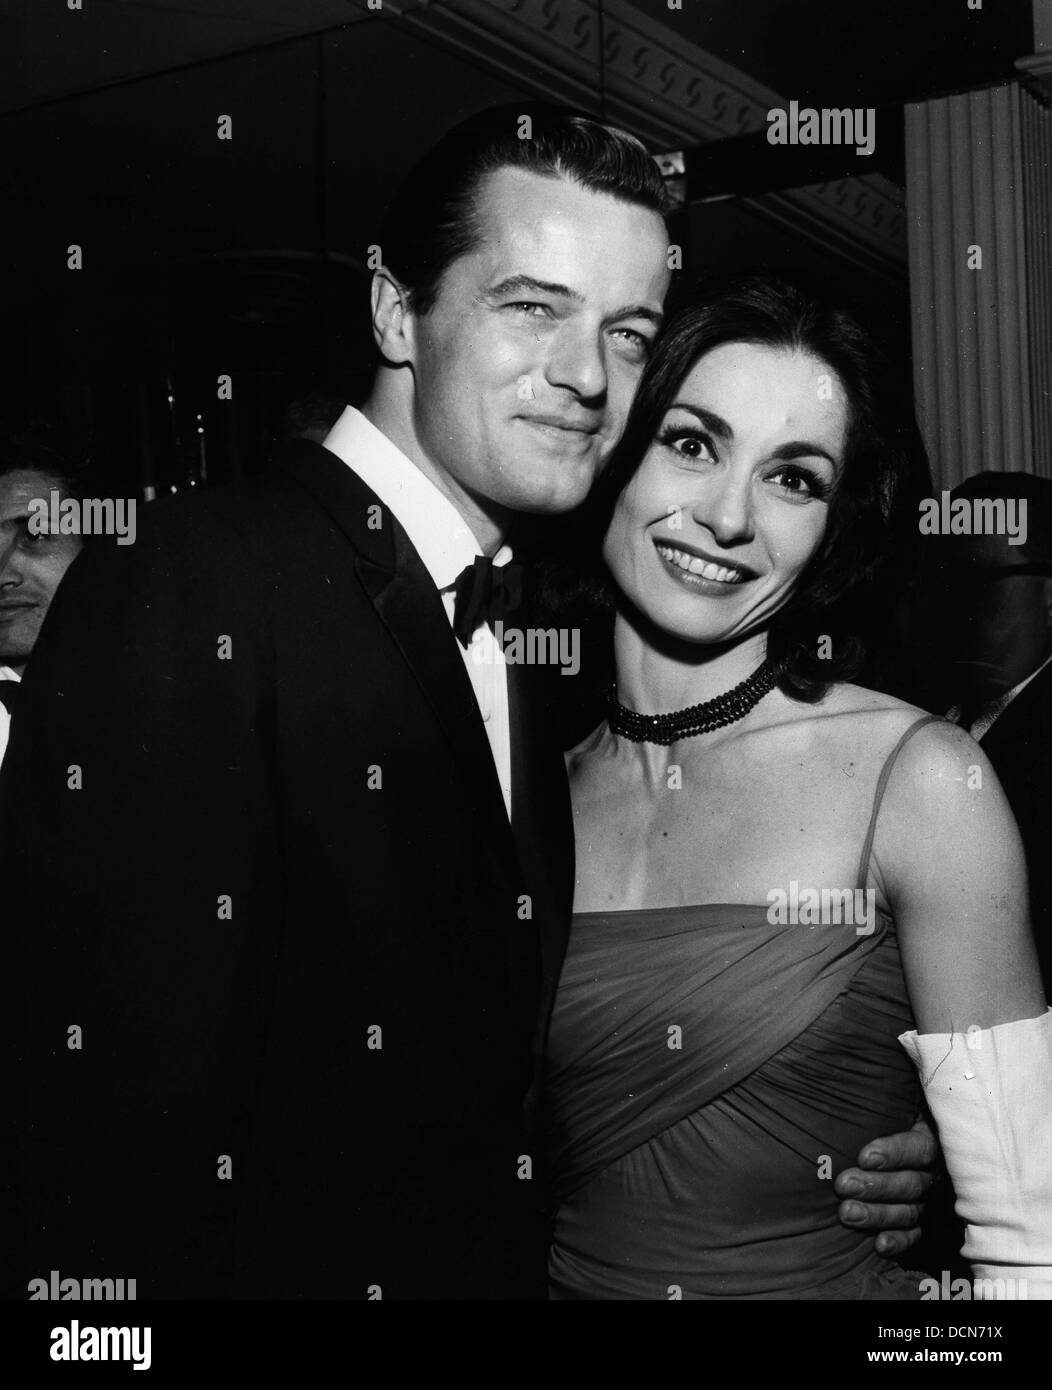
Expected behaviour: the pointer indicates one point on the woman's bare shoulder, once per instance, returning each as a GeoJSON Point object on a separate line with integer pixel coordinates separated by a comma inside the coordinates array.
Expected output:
{"type": "Point", "coordinates": [931, 794]}
{"type": "Point", "coordinates": [939, 743]}
{"type": "Point", "coordinates": [855, 730]}
{"type": "Point", "coordinates": [848, 699]}
{"type": "Point", "coordinates": [851, 717]}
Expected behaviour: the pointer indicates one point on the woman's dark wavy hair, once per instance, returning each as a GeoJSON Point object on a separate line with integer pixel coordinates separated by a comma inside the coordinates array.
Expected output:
{"type": "Point", "coordinates": [873, 509]}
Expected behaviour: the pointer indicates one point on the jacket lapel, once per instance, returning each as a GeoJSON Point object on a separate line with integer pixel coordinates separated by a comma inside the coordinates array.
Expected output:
{"type": "Point", "coordinates": [541, 817]}
{"type": "Point", "coordinates": [537, 852]}
{"type": "Point", "coordinates": [1021, 722]}
{"type": "Point", "coordinates": [409, 606]}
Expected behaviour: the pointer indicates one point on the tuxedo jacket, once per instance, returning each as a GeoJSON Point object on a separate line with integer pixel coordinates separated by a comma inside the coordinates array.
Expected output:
{"type": "Point", "coordinates": [1019, 745]}
{"type": "Point", "coordinates": [283, 966]}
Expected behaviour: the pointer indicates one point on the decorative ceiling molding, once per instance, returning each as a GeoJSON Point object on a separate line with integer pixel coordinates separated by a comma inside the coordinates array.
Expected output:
{"type": "Point", "coordinates": [671, 93]}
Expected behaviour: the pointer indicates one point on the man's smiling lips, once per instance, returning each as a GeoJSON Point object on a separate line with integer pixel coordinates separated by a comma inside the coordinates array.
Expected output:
{"type": "Point", "coordinates": [561, 423]}
{"type": "Point", "coordinates": [700, 570]}
{"type": "Point", "coordinates": [9, 608]}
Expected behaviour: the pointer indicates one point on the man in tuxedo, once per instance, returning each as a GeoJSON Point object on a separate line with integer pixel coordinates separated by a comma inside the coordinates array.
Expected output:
{"type": "Point", "coordinates": [300, 847]}
{"type": "Point", "coordinates": [1000, 649]}
{"type": "Point", "coordinates": [31, 565]}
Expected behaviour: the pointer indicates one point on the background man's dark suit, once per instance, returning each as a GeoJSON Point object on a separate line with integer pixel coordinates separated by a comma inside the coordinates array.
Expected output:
{"type": "Point", "coordinates": [351, 907]}
{"type": "Point", "coordinates": [1019, 744]}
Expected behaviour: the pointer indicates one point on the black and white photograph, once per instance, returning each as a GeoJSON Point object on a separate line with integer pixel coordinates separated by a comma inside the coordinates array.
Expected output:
{"type": "Point", "coordinates": [525, 674]}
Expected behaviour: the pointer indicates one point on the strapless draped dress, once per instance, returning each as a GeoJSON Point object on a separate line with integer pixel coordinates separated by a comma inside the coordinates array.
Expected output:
{"type": "Point", "coordinates": [708, 1075]}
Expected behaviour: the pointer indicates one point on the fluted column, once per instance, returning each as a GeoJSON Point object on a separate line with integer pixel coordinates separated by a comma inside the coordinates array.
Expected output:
{"type": "Point", "coordinates": [979, 211]}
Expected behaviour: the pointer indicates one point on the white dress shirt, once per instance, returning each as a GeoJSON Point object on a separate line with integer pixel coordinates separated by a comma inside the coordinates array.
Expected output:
{"type": "Point", "coordinates": [445, 544]}
{"type": "Point", "coordinates": [6, 674]}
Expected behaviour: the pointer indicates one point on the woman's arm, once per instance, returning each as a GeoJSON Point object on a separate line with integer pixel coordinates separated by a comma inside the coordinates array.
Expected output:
{"type": "Point", "coordinates": [950, 860]}
{"type": "Point", "coordinates": [948, 854]}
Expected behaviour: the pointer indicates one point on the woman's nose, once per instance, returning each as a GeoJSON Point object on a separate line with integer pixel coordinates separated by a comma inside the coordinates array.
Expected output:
{"type": "Point", "coordinates": [725, 507]}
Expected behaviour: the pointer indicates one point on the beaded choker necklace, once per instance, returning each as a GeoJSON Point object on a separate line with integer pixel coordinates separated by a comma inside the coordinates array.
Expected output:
{"type": "Point", "coordinates": [697, 719]}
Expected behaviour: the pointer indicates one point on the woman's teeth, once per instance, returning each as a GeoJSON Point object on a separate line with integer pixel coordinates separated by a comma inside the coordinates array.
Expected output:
{"type": "Point", "coordinates": [705, 569]}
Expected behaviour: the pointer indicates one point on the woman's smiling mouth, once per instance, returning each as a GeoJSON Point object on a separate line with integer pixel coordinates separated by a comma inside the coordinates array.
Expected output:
{"type": "Point", "coordinates": [698, 572]}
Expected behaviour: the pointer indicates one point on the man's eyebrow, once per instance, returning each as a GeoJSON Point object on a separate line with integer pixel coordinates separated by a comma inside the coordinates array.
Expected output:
{"type": "Point", "coordinates": [637, 311]}
{"type": "Point", "coordinates": [517, 284]}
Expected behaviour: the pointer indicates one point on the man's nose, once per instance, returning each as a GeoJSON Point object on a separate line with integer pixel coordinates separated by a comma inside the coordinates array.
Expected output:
{"type": "Point", "coordinates": [577, 361]}
{"type": "Point", "coordinates": [10, 569]}
{"type": "Point", "coordinates": [725, 506]}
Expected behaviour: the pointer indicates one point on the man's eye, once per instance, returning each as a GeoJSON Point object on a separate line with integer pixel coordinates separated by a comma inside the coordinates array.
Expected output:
{"type": "Point", "coordinates": [529, 309]}
{"type": "Point", "coordinates": [638, 341]}
{"type": "Point", "coordinates": [32, 540]}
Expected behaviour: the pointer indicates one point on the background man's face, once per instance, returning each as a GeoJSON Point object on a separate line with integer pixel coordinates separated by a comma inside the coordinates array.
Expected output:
{"type": "Point", "coordinates": [999, 630]}
{"type": "Point", "coordinates": [525, 368]}
{"type": "Point", "coordinates": [31, 567]}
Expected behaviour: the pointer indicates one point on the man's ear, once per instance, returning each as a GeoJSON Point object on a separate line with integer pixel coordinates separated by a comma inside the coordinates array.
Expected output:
{"type": "Point", "coordinates": [392, 317]}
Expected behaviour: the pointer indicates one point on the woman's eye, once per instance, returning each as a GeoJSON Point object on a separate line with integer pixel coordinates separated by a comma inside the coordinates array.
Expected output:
{"type": "Point", "coordinates": [798, 482]}
{"type": "Point", "coordinates": [689, 444]}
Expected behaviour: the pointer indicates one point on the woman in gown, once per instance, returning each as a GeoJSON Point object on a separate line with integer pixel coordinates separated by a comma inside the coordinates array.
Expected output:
{"type": "Point", "coordinates": [782, 878]}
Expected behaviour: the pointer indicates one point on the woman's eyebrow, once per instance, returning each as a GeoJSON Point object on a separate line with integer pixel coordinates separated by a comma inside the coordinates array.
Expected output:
{"type": "Point", "coordinates": [715, 424]}
{"type": "Point", "coordinates": [800, 448]}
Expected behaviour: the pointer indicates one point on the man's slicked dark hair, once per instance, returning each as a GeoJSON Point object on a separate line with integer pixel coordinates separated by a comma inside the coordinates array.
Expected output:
{"type": "Point", "coordinates": [433, 218]}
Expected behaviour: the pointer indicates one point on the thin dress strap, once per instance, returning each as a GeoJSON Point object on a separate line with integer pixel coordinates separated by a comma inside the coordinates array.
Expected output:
{"type": "Point", "coordinates": [882, 782]}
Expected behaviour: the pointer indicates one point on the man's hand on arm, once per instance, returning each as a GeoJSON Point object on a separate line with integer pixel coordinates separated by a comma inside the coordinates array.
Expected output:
{"type": "Point", "coordinates": [886, 1191]}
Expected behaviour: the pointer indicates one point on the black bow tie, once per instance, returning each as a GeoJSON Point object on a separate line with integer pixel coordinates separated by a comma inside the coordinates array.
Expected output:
{"type": "Point", "coordinates": [484, 593]}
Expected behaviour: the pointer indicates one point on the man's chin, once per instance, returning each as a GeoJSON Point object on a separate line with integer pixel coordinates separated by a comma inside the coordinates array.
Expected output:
{"type": "Point", "coordinates": [553, 504]}
{"type": "Point", "coordinates": [18, 642]}
{"type": "Point", "coordinates": [558, 492]}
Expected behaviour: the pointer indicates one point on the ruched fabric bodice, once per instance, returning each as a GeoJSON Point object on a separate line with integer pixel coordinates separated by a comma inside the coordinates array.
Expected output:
{"type": "Point", "coordinates": [708, 1075]}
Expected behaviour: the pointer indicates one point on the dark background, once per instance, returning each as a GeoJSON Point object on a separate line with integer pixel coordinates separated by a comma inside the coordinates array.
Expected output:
{"type": "Point", "coordinates": [248, 256]}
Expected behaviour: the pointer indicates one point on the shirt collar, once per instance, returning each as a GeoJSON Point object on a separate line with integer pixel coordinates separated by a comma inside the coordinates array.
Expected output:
{"type": "Point", "coordinates": [6, 674]}
{"type": "Point", "coordinates": [439, 534]}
